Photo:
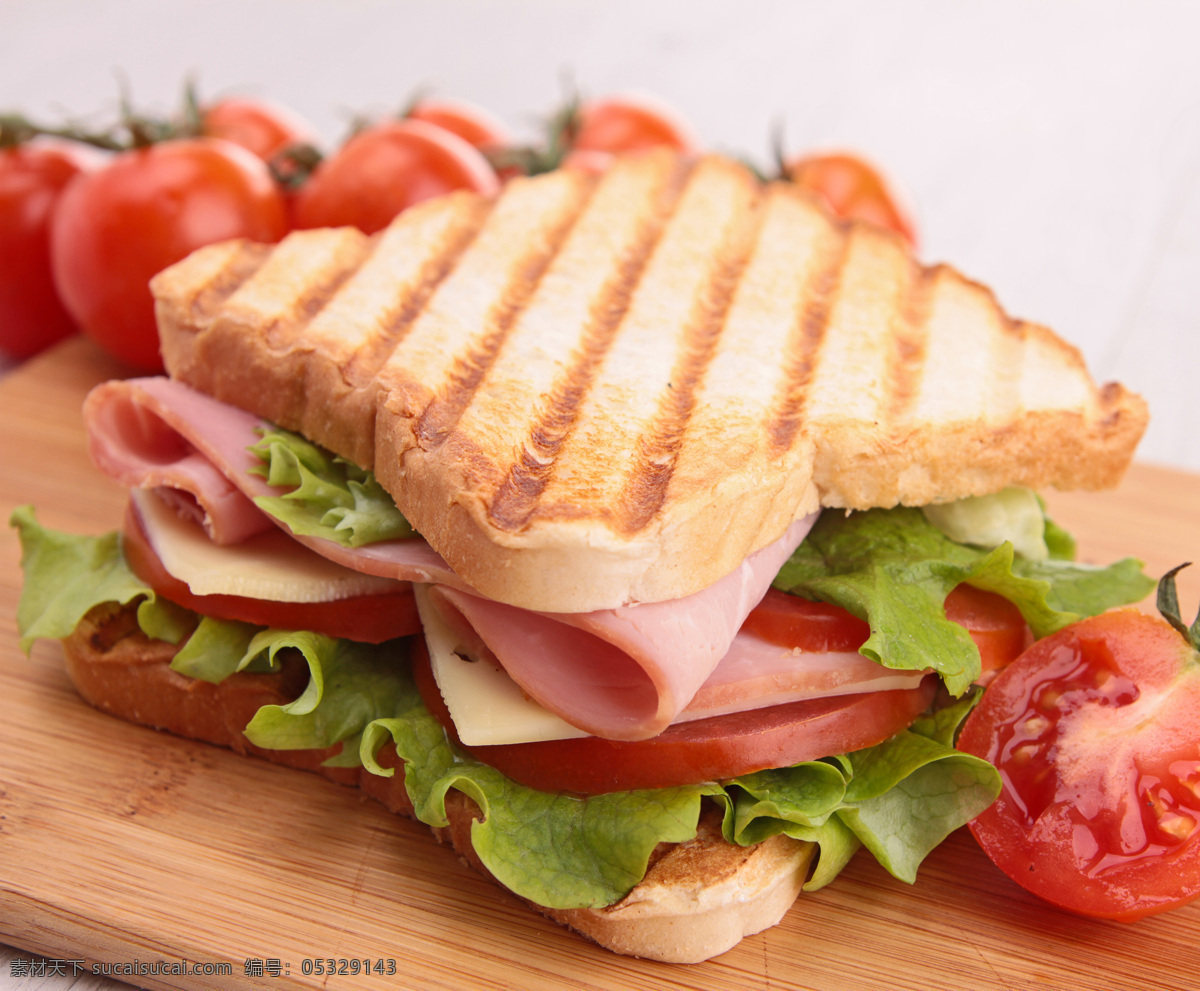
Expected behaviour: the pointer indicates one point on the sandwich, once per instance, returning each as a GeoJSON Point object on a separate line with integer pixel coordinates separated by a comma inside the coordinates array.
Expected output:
{"type": "Point", "coordinates": [614, 527]}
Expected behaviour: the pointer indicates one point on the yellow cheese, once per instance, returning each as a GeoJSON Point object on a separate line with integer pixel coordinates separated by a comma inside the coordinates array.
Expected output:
{"type": "Point", "coordinates": [270, 565]}
{"type": "Point", "coordinates": [487, 706]}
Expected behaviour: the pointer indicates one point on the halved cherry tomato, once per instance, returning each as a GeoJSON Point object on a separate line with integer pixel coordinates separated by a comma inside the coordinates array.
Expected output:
{"type": "Point", "coordinates": [262, 128]}
{"type": "Point", "coordinates": [854, 189]}
{"type": "Point", "coordinates": [366, 618]}
{"type": "Point", "coordinates": [32, 178]}
{"type": "Point", "coordinates": [385, 169]}
{"type": "Point", "coordinates": [118, 226]}
{"type": "Point", "coordinates": [1094, 731]}
{"type": "Point", "coordinates": [471, 123]}
{"type": "Point", "coordinates": [995, 624]}
{"type": "Point", "coordinates": [718, 748]}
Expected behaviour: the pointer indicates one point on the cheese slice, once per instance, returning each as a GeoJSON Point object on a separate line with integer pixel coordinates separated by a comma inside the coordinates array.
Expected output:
{"type": "Point", "coordinates": [270, 565]}
{"type": "Point", "coordinates": [490, 709]}
{"type": "Point", "coordinates": [487, 706]}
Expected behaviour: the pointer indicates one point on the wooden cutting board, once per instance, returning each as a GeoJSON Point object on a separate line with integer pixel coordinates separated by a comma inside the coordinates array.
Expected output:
{"type": "Point", "coordinates": [119, 844]}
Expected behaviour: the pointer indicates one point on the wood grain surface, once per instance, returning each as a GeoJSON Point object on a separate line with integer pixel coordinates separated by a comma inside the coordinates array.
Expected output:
{"type": "Point", "coordinates": [120, 844]}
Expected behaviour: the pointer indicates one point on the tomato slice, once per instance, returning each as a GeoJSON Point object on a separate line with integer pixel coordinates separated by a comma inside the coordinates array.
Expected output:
{"type": "Point", "coordinates": [995, 624]}
{"type": "Point", "coordinates": [712, 749]}
{"type": "Point", "coordinates": [1094, 731]}
{"type": "Point", "coordinates": [855, 189]}
{"type": "Point", "coordinates": [366, 618]}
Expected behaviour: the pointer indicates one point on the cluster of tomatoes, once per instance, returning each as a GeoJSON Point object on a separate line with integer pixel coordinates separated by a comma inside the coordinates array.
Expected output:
{"type": "Point", "coordinates": [83, 230]}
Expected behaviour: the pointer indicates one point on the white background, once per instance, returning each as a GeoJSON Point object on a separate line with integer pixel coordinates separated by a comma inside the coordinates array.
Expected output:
{"type": "Point", "coordinates": [1049, 148]}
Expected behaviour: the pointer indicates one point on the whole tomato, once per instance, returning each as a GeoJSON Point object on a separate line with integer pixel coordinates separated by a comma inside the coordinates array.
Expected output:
{"type": "Point", "coordinates": [623, 123]}
{"type": "Point", "coordinates": [259, 126]}
{"type": "Point", "coordinates": [32, 178]}
{"type": "Point", "coordinates": [386, 168]}
{"type": "Point", "coordinates": [117, 227]}
{"type": "Point", "coordinates": [853, 188]}
{"type": "Point", "coordinates": [631, 122]}
{"type": "Point", "coordinates": [471, 123]}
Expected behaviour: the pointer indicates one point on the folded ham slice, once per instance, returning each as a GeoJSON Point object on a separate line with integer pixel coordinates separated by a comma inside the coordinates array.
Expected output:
{"type": "Point", "coordinates": [623, 673]}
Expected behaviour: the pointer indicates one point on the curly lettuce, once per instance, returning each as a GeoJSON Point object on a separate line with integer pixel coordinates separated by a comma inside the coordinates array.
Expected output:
{"type": "Point", "coordinates": [329, 496]}
{"type": "Point", "coordinates": [67, 575]}
{"type": "Point", "coordinates": [894, 569]}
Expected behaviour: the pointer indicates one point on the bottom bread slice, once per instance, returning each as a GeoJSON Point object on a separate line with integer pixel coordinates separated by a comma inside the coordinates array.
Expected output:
{"type": "Point", "coordinates": [698, 898]}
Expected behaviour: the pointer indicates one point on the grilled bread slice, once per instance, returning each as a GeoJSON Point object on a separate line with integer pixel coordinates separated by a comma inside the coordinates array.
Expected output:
{"type": "Point", "coordinates": [699, 898]}
{"type": "Point", "coordinates": [598, 390]}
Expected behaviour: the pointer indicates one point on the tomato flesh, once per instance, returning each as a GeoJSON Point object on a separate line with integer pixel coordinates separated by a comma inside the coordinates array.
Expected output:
{"type": "Point", "coordinates": [711, 749]}
{"type": "Point", "coordinates": [1094, 732]}
{"type": "Point", "coordinates": [365, 618]}
{"type": "Point", "coordinates": [995, 624]}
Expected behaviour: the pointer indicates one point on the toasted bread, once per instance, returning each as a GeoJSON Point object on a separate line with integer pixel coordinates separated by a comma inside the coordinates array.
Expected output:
{"type": "Point", "coordinates": [698, 899]}
{"type": "Point", "coordinates": [593, 391]}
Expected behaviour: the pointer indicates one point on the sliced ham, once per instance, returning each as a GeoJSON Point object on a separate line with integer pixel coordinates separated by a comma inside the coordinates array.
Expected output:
{"type": "Point", "coordinates": [195, 451]}
{"type": "Point", "coordinates": [137, 439]}
{"type": "Point", "coordinates": [623, 673]}
{"type": "Point", "coordinates": [755, 673]}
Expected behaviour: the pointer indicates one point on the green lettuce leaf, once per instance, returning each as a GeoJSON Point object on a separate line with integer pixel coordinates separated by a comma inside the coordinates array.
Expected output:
{"type": "Point", "coordinates": [899, 799]}
{"type": "Point", "coordinates": [894, 569]}
{"type": "Point", "coordinates": [558, 850]}
{"type": "Point", "coordinates": [66, 575]}
{"type": "Point", "coordinates": [350, 685]}
{"type": "Point", "coordinates": [330, 497]}
{"type": "Point", "coordinates": [215, 649]}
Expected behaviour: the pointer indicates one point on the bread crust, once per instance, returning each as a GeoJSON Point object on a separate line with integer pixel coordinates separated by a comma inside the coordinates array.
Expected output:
{"type": "Point", "coordinates": [697, 900]}
{"type": "Point", "coordinates": [590, 392]}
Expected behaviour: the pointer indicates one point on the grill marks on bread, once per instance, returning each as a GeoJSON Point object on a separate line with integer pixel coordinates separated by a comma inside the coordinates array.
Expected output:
{"type": "Point", "coordinates": [591, 284]}
{"type": "Point", "coordinates": [659, 367]}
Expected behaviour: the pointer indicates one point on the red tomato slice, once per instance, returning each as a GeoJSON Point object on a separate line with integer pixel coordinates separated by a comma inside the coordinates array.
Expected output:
{"type": "Point", "coordinates": [631, 122]}
{"type": "Point", "coordinates": [718, 748]}
{"type": "Point", "coordinates": [853, 189]}
{"type": "Point", "coordinates": [262, 128]}
{"type": "Point", "coordinates": [385, 169]}
{"type": "Point", "coordinates": [366, 618]}
{"type": "Point", "coordinates": [1094, 731]}
{"type": "Point", "coordinates": [995, 624]}
{"type": "Point", "coordinates": [120, 225]}
{"type": "Point", "coordinates": [471, 123]}
{"type": "Point", "coordinates": [32, 178]}
{"type": "Point", "coordinates": [790, 621]}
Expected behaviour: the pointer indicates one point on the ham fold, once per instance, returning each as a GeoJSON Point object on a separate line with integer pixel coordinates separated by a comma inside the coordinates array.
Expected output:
{"type": "Point", "coordinates": [628, 673]}
{"type": "Point", "coordinates": [623, 673]}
